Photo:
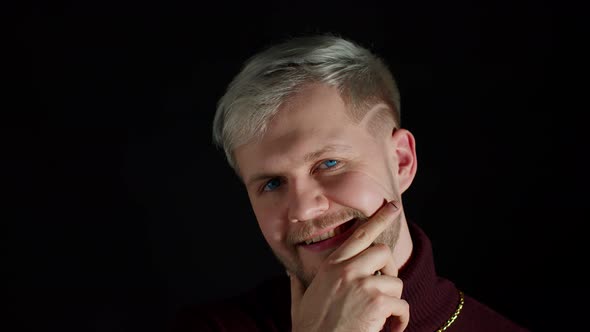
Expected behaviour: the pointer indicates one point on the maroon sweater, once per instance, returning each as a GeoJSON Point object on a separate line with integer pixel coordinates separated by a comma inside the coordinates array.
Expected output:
{"type": "Point", "coordinates": [432, 301]}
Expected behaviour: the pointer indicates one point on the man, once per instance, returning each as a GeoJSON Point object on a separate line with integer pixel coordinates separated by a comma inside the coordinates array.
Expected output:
{"type": "Point", "coordinates": [312, 128]}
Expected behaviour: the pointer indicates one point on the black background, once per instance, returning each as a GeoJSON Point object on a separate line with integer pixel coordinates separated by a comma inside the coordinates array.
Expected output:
{"type": "Point", "coordinates": [119, 209]}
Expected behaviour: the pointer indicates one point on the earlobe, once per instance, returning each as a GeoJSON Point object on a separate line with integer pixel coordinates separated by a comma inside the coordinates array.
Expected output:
{"type": "Point", "coordinates": [405, 152]}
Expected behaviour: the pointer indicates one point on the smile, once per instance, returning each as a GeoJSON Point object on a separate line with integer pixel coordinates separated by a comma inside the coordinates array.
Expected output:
{"type": "Point", "coordinates": [329, 234]}
{"type": "Point", "coordinates": [331, 238]}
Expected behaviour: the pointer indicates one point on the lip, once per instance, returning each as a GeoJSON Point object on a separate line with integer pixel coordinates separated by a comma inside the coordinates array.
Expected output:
{"type": "Point", "coordinates": [331, 242]}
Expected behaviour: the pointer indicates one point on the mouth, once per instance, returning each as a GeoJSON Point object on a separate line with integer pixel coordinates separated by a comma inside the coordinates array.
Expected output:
{"type": "Point", "coordinates": [331, 238]}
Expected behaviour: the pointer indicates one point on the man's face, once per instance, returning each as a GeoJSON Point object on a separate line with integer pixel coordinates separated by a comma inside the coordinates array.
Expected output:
{"type": "Point", "coordinates": [316, 174]}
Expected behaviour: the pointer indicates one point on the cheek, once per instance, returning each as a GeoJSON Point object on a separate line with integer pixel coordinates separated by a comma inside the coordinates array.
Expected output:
{"type": "Point", "coordinates": [361, 191]}
{"type": "Point", "coordinates": [269, 222]}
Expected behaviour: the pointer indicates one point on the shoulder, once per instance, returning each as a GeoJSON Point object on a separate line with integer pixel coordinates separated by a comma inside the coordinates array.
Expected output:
{"type": "Point", "coordinates": [265, 307]}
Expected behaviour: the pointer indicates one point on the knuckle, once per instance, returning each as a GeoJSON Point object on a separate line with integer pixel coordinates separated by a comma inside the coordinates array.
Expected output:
{"type": "Point", "coordinates": [378, 301]}
{"type": "Point", "coordinates": [400, 284]}
{"type": "Point", "coordinates": [364, 284]}
{"type": "Point", "coordinates": [405, 306]}
{"type": "Point", "coordinates": [398, 287]}
{"type": "Point", "coordinates": [378, 220]}
{"type": "Point", "coordinates": [347, 273]}
{"type": "Point", "coordinates": [384, 217]}
{"type": "Point", "coordinates": [360, 234]}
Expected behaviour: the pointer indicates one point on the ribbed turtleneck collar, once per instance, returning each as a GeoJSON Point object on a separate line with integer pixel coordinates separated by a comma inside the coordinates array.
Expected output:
{"type": "Point", "coordinates": [432, 299]}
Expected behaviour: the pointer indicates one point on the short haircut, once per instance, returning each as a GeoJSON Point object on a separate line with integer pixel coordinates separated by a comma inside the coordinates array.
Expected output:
{"type": "Point", "coordinates": [270, 77]}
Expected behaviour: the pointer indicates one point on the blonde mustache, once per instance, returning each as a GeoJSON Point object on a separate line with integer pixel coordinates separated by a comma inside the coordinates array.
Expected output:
{"type": "Point", "coordinates": [310, 227]}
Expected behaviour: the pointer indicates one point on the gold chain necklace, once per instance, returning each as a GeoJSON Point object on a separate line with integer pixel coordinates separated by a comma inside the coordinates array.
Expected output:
{"type": "Point", "coordinates": [454, 316]}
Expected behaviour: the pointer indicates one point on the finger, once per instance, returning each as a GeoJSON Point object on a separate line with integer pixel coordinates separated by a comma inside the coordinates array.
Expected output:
{"type": "Point", "coordinates": [390, 268]}
{"type": "Point", "coordinates": [377, 257]}
{"type": "Point", "coordinates": [364, 236]}
{"type": "Point", "coordinates": [390, 286]}
{"type": "Point", "coordinates": [297, 290]}
{"type": "Point", "coordinates": [394, 310]}
{"type": "Point", "coordinates": [400, 310]}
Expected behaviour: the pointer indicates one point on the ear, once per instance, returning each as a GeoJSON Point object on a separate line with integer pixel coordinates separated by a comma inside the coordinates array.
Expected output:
{"type": "Point", "coordinates": [405, 157]}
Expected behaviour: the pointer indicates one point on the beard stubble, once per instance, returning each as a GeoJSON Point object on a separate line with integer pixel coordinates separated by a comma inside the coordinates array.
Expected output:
{"type": "Point", "coordinates": [295, 265]}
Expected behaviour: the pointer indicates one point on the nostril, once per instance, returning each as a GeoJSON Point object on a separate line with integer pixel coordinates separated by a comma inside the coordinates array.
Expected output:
{"type": "Point", "coordinates": [305, 205]}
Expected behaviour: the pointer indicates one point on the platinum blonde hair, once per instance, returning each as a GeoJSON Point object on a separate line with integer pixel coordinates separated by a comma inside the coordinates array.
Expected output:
{"type": "Point", "coordinates": [270, 77]}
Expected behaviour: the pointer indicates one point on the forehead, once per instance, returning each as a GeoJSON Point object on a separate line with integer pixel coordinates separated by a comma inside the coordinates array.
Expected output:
{"type": "Point", "coordinates": [311, 120]}
{"type": "Point", "coordinates": [314, 107]}
{"type": "Point", "coordinates": [319, 108]}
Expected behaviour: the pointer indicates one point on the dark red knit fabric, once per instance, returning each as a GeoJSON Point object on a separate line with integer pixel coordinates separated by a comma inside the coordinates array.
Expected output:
{"type": "Point", "coordinates": [432, 301]}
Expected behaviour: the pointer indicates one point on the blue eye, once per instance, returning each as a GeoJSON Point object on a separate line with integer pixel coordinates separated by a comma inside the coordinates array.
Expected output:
{"type": "Point", "coordinates": [328, 164]}
{"type": "Point", "coordinates": [272, 184]}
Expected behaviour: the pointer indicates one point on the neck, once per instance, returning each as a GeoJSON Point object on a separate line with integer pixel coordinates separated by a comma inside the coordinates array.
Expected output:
{"type": "Point", "coordinates": [403, 248]}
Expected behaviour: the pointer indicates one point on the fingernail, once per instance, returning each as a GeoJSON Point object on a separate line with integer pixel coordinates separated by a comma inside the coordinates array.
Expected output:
{"type": "Point", "coordinates": [395, 204]}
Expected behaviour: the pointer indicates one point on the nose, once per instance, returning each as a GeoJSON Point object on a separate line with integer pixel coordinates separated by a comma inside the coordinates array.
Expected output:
{"type": "Point", "coordinates": [306, 201]}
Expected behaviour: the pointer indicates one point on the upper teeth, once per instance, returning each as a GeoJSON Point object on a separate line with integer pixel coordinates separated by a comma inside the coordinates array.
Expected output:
{"type": "Point", "coordinates": [324, 236]}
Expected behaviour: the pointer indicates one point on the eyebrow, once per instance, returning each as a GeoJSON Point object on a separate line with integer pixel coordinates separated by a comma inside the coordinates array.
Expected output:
{"type": "Point", "coordinates": [306, 159]}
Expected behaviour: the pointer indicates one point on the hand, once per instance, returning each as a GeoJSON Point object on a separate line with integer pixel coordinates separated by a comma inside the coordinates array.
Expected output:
{"type": "Point", "coordinates": [345, 295]}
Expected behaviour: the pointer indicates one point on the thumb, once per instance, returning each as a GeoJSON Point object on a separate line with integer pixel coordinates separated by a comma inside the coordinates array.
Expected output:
{"type": "Point", "coordinates": [297, 290]}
